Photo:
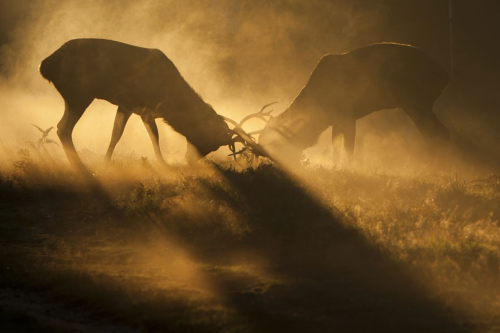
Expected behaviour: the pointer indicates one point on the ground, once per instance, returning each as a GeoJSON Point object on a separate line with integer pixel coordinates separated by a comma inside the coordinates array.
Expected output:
{"type": "Point", "coordinates": [147, 248]}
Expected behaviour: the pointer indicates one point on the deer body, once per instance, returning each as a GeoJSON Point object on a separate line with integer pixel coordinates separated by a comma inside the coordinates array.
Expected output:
{"type": "Point", "coordinates": [346, 87]}
{"type": "Point", "coordinates": [137, 80]}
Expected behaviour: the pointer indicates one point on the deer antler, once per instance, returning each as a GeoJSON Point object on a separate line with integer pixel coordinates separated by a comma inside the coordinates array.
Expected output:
{"type": "Point", "coordinates": [265, 116]}
{"type": "Point", "coordinates": [246, 138]}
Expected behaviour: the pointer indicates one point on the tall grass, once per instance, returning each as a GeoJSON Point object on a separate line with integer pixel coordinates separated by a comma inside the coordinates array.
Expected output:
{"type": "Point", "coordinates": [223, 249]}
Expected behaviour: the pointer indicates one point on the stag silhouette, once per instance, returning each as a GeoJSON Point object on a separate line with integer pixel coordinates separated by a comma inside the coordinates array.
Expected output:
{"type": "Point", "coordinates": [138, 80]}
{"type": "Point", "coordinates": [345, 87]}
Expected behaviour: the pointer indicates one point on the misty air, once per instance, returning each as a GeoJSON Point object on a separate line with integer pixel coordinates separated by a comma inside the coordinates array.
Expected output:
{"type": "Point", "coordinates": [249, 166]}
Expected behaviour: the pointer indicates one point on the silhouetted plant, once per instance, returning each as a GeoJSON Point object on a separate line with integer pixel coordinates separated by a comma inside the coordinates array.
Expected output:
{"type": "Point", "coordinates": [44, 139]}
{"type": "Point", "coordinates": [25, 161]}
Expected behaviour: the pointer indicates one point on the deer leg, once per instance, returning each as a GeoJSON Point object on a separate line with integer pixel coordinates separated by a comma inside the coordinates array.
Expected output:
{"type": "Point", "coordinates": [122, 116]}
{"type": "Point", "coordinates": [349, 139]}
{"type": "Point", "coordinates": [152, 129]}
{"type": "Point", "coordinates": [192, 155]}
{"type": "Point", "coordinates": [433, 131]}
{"type": "Point", "coordinates": [72, 113]}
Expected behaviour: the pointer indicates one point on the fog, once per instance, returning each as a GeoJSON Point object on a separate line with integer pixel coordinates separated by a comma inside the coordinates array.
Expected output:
{"type": "Point", "coordinates": [238, 55]}
{"type": "Point", "coordinates": [308, 245]}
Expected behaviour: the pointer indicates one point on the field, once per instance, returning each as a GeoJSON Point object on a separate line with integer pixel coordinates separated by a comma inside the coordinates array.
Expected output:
{"type": "Point", "coordinates": [397, 240]}
{"type": "Point", "coordinates": [147, 248]}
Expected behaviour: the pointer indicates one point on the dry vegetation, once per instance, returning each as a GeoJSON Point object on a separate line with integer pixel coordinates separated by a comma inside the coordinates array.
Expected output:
{"type": "Point", "coordinates": [148, 248]}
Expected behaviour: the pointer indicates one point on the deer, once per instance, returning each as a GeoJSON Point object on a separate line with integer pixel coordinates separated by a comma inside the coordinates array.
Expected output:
{"type": "Point", "coordinates": [345, 87]}
{"type": "Point", "coordinates": [138, 80]}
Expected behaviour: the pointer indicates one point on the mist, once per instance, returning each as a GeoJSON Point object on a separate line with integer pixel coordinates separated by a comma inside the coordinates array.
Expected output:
{"type": "Point", "coordinates": [238, 55]}
{"type": "Point", "coordinates": [387, 241]}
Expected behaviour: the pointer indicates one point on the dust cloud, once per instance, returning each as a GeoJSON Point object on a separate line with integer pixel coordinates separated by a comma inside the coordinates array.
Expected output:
{"type": "Point", "coordinates": [238, 55]}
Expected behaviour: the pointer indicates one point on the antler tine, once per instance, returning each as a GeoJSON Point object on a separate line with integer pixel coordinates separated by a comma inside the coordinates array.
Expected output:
{"type": "Point", "coordinates": [232, 148]}
{"type": "Point", "coordinates": [266, 106]}
{"type": "Point", "coordinates": [232, 122]}
{"type": "Point", "coordinates": [260, 115]}
{"type": "Point", "coordinates": [250, 143]}
{"type": "Point", "coordinates": [237, 138]}
{"type": "Point", "coordinates": [246, 138]}
{"type": "Point", "coordinates": [254, 115]}
{"type": "Point", "coordinates": [234, 153]}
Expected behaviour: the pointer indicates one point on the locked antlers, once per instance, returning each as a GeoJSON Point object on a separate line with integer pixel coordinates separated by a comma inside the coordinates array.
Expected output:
{"type": "Point", "coordinates": [245, 138]}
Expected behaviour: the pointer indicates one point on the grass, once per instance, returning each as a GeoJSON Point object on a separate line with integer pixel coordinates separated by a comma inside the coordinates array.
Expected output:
{"type": "Point", "coordinates": [219, 249]}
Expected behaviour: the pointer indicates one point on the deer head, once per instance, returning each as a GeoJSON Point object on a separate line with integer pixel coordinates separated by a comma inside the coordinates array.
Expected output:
{"type": "Point", "coordinates": [247, 139]}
